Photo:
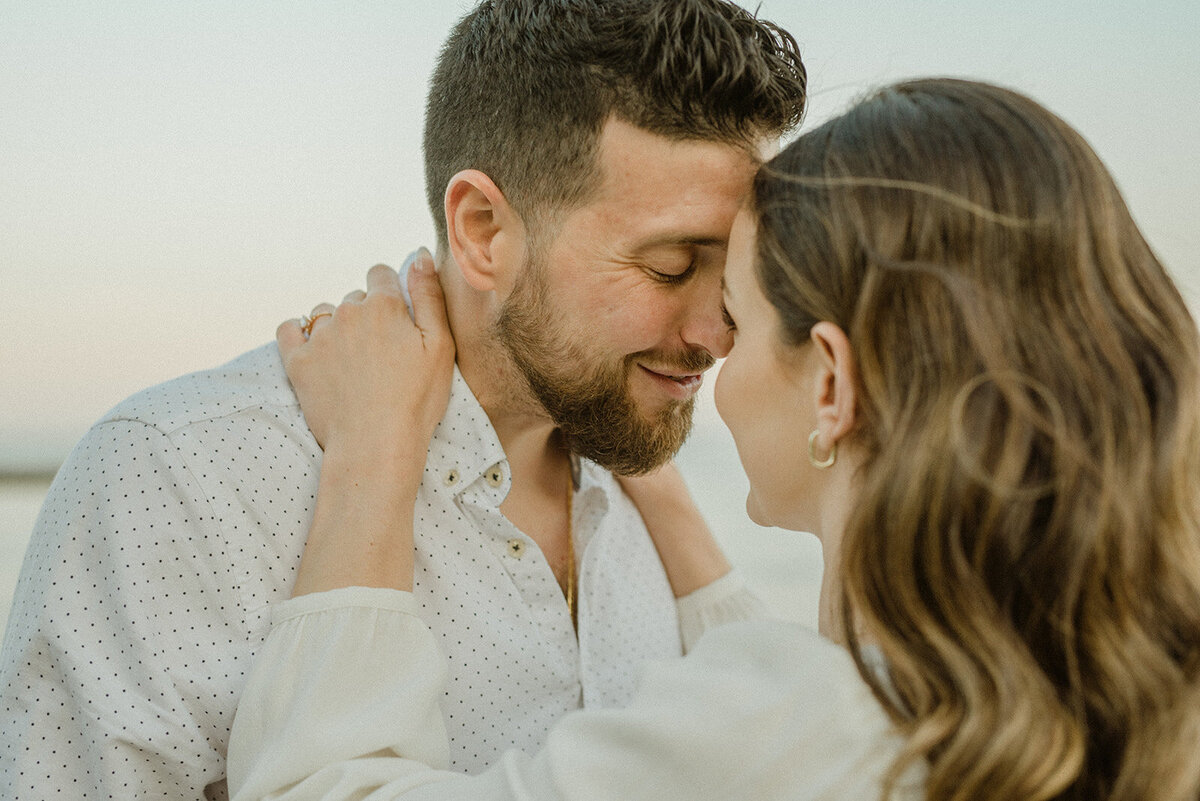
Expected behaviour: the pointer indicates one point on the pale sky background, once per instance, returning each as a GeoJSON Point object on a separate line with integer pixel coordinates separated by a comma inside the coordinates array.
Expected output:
{"type": "Point", "coordinates": [176, 178]}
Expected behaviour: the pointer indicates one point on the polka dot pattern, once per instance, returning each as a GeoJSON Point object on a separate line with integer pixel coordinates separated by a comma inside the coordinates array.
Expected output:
{"type": "Point", "coordinates": [182, 515]}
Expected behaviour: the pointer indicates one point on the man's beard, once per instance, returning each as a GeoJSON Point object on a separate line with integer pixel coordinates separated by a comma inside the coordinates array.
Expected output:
{"type": "Point", "coordinates": [587, 399]}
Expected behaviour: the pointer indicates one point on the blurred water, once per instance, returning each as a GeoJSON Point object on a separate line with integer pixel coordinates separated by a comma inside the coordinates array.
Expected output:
{"type": "Point", "coordinates": [785, 567]}
{"type": "Point", "coordinates": [19, 504]}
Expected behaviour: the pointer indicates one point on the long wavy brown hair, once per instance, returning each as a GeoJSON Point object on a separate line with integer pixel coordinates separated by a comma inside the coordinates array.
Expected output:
{"type": "Point", "coordinates": [1026, 548]}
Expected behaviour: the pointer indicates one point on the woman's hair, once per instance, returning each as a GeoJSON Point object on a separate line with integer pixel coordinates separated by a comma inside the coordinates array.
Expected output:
{"type": "Point", "coordinates": [1026, 547]}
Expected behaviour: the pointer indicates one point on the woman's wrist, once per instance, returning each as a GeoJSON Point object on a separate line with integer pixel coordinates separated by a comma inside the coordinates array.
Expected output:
{"type": "Point", "coordinates": [361, 533]}
{"type": "Point", "coordinates": [373, 381]}
{"type": "Point", "coordinates": [689, 552]}
{"type": "Point", "coordinates": [374, 460]}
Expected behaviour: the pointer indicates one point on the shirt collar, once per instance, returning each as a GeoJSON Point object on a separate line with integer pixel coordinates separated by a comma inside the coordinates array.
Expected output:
{"type": "Point", "coordinates": [594, 493]}
{"type": "Point", "coordinates": [465, 446]}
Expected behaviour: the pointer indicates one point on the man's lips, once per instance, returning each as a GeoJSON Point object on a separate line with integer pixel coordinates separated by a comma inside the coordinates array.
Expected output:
{"type": "Point", "coordinates": [681, 385]}
{"type": "Point", "coordinates": [676, 376]}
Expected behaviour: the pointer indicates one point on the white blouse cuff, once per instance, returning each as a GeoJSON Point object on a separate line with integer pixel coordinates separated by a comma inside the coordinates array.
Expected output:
{"type": "Point", "coordinates": [727, 600]}
{"type": "Point", "coordinates": [345, 676]}
{"type": "Point", "coordinates": [345, 598]}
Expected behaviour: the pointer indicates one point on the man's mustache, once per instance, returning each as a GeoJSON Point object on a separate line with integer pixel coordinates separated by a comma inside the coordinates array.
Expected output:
{"type": "Point", "coordinates": [689, 361]}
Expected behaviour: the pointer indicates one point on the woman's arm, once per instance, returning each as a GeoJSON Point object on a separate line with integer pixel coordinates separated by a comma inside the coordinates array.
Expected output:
{"type": "Point", "coordinates": [688, 550]}
{"type": "Point", "coordinates": [344, 703]}
{"type": "Point", "coordinates": [708, 592]}
{"type": "Point", "coordinates": [373, 382]}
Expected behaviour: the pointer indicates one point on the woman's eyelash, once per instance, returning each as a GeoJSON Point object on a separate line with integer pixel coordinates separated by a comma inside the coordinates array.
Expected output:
{"type": "Point", "coordinates": [728, 320]}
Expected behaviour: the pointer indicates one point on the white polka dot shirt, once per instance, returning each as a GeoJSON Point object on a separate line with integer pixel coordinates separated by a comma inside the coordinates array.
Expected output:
{"type": "Point", "coordinates": [181, 516]}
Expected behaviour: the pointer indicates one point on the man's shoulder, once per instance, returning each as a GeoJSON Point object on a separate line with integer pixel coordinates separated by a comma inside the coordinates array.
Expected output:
{"type": "Point", "coordinates": [251, 381]}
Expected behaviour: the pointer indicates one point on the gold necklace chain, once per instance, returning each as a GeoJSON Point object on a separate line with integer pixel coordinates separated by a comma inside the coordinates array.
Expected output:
{"type": "Point", "coordinates": [571, 577]}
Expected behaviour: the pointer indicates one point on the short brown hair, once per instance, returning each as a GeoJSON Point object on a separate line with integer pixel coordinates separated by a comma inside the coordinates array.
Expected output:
{"type": "Point", "coordinates": [522, 88]}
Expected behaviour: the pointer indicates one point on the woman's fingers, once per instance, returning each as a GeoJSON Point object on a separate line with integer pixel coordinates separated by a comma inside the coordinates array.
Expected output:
{"type": "Point", "coordinates": [289, 335]}
{"type": "Point", "coordinates": [429, 303]}
{"type": "Point", "coordinates": [365, 374]}
{"type": "Point", "coordinates": [293, 333]}
{"type": "Point", "coordinates": [429, 312]}
{"type": "Point", "coordinates": [383, 279]}
{"type": "Point", "coordinates": [384, 293]}
{"type": "Point", "coordinates": [320, 316]}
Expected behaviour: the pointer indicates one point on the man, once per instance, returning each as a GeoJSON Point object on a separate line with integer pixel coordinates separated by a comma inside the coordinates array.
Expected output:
{"type": "Point", "coordinates": [584, 161]}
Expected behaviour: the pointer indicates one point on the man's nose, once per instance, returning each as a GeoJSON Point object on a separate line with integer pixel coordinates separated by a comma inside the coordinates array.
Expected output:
{"type": "Point", "coordinates": [704, 323]}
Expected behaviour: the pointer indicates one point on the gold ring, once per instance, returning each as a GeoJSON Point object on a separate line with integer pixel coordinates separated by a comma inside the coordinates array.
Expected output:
{"type": "Point", "coordinates": [306, 322]}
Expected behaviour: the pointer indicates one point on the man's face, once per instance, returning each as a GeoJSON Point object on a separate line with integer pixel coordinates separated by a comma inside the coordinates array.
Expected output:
{"type": "Point", "coordinates": [615, 319]}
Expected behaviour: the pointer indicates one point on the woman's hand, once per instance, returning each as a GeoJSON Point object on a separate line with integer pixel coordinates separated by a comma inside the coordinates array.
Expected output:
{"type": "Point", "coordinates": [369, 374]}
{"type": "Point", "coordinates": [373, 383]}
{"type": "Point", "coordinates": [689, 552]}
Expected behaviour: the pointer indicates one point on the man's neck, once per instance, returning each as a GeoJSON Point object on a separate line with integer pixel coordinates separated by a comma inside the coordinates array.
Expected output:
{"type": "Point", "coordinates": [528, 436]}
{"type": "Point", "coordinates": [538, 498]}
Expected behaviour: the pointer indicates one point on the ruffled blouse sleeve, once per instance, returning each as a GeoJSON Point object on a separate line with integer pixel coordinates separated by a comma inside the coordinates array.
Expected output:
{"type": "Point", "coordinates": [727, 600]}
{"type": "Point", "coordinates": [343, 703]}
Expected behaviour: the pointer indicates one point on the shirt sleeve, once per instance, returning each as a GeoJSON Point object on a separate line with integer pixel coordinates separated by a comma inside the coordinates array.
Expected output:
{"type": "Point", "coordinates": [343, 703]}
{"type": "Point", "coordinates": [125, 646]}
{"type": "Point", "coordinates": [727, 600]}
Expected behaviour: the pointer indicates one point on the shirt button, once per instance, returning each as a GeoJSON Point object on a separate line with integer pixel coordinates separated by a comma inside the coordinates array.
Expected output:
{"type": "Point", "coordinates": [516, 548]}
{"type": "Point", "coordinates": [451, 478]}
{"type": "Point", "coordinates": [495, 476]}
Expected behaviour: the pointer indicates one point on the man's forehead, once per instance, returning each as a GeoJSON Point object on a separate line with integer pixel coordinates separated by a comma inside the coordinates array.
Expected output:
{"type": "Point", "coordinates": [675, 201]}
{"type": "Point", "coordinates": [629, 157]}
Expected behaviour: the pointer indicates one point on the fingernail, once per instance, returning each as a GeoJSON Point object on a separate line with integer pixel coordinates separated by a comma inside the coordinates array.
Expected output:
{"type": "Point", "coordinates": [424, 260]}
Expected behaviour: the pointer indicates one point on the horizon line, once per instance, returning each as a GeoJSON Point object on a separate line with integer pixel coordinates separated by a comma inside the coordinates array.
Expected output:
{"type": "Point", "coordinates": [28, 475]}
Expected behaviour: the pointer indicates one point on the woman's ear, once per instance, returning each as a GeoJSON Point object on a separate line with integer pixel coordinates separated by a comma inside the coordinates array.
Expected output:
{"type": "Point", "coordinates": [835, 387]}
{"type": "Point", "coordinates": [481, 230]}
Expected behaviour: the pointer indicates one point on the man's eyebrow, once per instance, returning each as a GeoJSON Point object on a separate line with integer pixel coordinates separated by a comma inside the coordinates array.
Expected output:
{"type": "Point", "coordinates": [668, 240]}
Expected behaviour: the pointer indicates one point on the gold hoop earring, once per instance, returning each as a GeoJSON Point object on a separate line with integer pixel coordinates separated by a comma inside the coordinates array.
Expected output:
{"type": "Point", "coordinates": [812, 453]}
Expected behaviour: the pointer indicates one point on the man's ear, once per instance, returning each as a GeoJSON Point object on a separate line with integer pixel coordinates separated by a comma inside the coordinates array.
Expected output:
{"type": "Point", "coordinates": [482, 230]}
{"type": "Point", "coordinates": [836, 384]}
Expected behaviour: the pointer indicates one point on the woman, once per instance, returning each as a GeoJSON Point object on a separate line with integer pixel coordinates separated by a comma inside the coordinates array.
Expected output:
{"type": "Point", "coordinates": [958, 363]}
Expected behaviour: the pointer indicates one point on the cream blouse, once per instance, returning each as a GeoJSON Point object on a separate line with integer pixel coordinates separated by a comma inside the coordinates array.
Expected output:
{"type": "Point", "coordinates": [343, 703]}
